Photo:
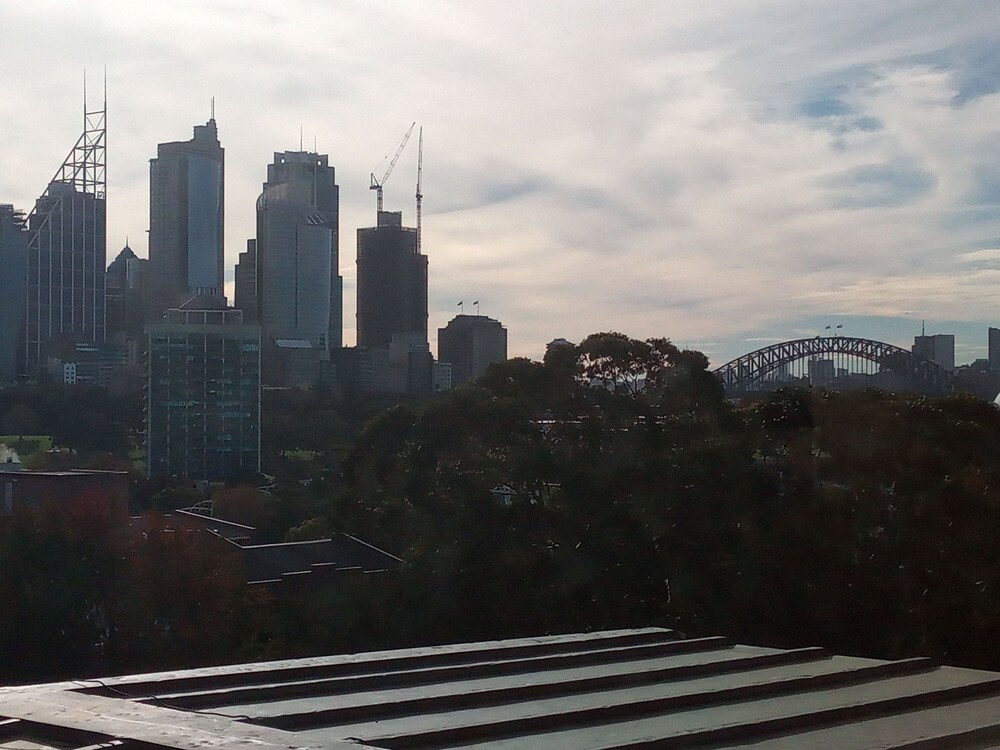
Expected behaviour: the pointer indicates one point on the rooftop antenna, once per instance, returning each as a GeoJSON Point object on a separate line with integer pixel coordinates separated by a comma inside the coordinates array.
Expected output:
{"type": "Point", "coordinates": [213, 108]}
{"type": "Point", "coordinates": [923, 329]}
{"type": "Point", "coordinates": [420, 173]}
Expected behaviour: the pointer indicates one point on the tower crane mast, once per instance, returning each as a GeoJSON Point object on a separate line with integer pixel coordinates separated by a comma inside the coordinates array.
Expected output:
{"type": "Point", "coordinates": [420, 173]}
{"type": "Point", "coordinates": [377, 184]}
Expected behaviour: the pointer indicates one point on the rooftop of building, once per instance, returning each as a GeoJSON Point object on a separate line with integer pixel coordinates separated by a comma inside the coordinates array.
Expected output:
{"type": "Point", "coordinates": [271, 563]}
{"type": "Point", "coordinates": [204, 139]}
{"type": "Point", "coordinates": [13, 467]}
{"type": "Point", "coordinates": [294, 561]}
{"type": "Point", "coordinates": [617, 689]}
{"type": "Point", "coordinates": [464, 320]}
{"type": "Point", "coordinates": [301, 157]}
{"type": "Point", "coordinates": [201, 316]}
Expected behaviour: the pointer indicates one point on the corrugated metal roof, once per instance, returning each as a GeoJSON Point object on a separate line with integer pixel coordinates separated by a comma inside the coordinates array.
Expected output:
{"type": "Point", "coordinates": [619, 689]}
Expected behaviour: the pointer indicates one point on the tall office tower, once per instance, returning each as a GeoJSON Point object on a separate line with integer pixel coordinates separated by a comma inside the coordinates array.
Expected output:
{"type": "Point", "coordinates": [13, 268]}
{"type": "Point", "coordinates": [186, 206]}
{"type": "Point", "coordinates": [123, 292]}
{"type": "Point", "coordinates": [939, 348]}
{"type": "Point", "coordinates": [471, 343]}
{"type": "Point", "coordinates": [66, 250]}
{"type": "Point", "coordinates": [392, 282]}
{"type": "Point", "coordinates": [994, 348]}
{"type": "Point", "coordinates": [299, 287]}
{"type": "Point", "coordinates": [202, 395]}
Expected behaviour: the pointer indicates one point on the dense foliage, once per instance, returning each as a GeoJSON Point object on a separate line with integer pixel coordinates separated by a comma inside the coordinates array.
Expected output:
{"type": "Point", "coordinates": [612, 485]}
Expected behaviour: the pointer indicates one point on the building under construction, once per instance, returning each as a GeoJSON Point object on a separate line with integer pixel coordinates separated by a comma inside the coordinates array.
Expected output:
{"type": "Point", "coordinates": [392, 282]}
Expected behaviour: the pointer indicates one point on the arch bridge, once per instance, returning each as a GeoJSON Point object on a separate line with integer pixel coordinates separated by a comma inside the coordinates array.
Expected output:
{"type": "Point", "coordinates": [752, 371]}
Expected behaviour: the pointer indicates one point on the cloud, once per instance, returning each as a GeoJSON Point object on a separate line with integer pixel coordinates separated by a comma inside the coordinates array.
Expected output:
{"type": "Point", "coordinates": [977, 256]}
{"type": "Point", "coordinates": [882, 185]}
{"type": "Point", "coordinates": [709, 172]}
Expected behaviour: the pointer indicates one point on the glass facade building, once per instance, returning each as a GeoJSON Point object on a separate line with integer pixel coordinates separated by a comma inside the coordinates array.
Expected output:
{"type": "Point", "coordinates": [186, 225]}
{"type": "Point", "coordinates": [299, 290]}
{"type": "Point", "coordinates": [202, 395]}
{"type": "Point", "coordinates": [298, 242]}
{"type": "Point", "coordinates": [67, 251]}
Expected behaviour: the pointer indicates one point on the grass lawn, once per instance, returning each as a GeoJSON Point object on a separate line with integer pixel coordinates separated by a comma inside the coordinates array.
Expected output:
{"type": "Point", "coordinates": [298, 454]}
{"type": "Point", "coordinates": [138, 458]}
{"type": "Point", "coordinates": [27, 445]}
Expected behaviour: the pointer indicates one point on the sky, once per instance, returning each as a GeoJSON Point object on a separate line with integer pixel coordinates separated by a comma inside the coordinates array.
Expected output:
{"type": "Point", "coordinates": [726, 174]}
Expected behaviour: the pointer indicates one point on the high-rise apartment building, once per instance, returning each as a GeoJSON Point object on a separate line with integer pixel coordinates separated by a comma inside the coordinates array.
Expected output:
{"type": "Point", "coordinates": [299, 290]}
{"type": "Point", "coordinates": [186, 207]}
{"type": "Point", "coordinates": [202, 395]}
{"type": "Point", "coordinates": [13, 267]}
{"type": "Point", "coordinates": [392, 282]}
{"type": "Point", "coordinates": [471, 343]}
{"type": "Point", "coordinates": [67, 251]}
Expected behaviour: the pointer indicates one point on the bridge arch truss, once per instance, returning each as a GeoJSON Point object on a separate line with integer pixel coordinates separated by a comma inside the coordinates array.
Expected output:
{"type": "Point", "coordinates": [750, 371]}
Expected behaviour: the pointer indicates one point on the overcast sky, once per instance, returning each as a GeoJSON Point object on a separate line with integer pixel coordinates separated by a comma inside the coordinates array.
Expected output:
{"type": "Point", "coordinates": [724, 173]}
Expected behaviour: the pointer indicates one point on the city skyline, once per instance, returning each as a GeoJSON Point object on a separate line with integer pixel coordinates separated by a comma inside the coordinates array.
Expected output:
{"type": "Point", "coordinates": [724, 176]}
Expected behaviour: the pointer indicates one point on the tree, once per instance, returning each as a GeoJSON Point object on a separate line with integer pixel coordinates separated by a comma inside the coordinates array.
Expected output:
{"type": "Point", "coordinates": [20, 420]}
{"type": "Point", "coordinates": [607, 460]}
{"type": "Point", "coordinates": [242, 504]}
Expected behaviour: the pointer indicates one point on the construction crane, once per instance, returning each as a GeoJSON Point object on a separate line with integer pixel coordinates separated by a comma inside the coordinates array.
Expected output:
{"type": "Point", "coordinates": [420, 173]}
{"type": "Point", "coordinates": [376, 185]}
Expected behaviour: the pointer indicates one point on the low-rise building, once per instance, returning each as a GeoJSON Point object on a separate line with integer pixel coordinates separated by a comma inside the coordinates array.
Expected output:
{"type": "Point", "coordinates": [75, 493]}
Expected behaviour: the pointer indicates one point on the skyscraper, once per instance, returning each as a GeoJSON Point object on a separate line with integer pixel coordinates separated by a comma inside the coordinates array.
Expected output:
{"type": "Point", "coordinates": [202, 395]}
{"type": "Point", "coordinates": [993, 348]}
{"type": "Point", "coordinates": [939, 348]}
{"type": "Point", "coordinates": [13, 266]}
{"type": "Point", "coordinates": [124, 283]}
{"type": "Point", "coordinates": [392, 282]}
{"type": "Point", "coordinates": [67, 251]}
{"type": "Point", "coordinates": [471, 343]}
{"type": "Point", "coordinates": [186, 206]}
{"type": "Point", "coordinates": [299, 290]}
